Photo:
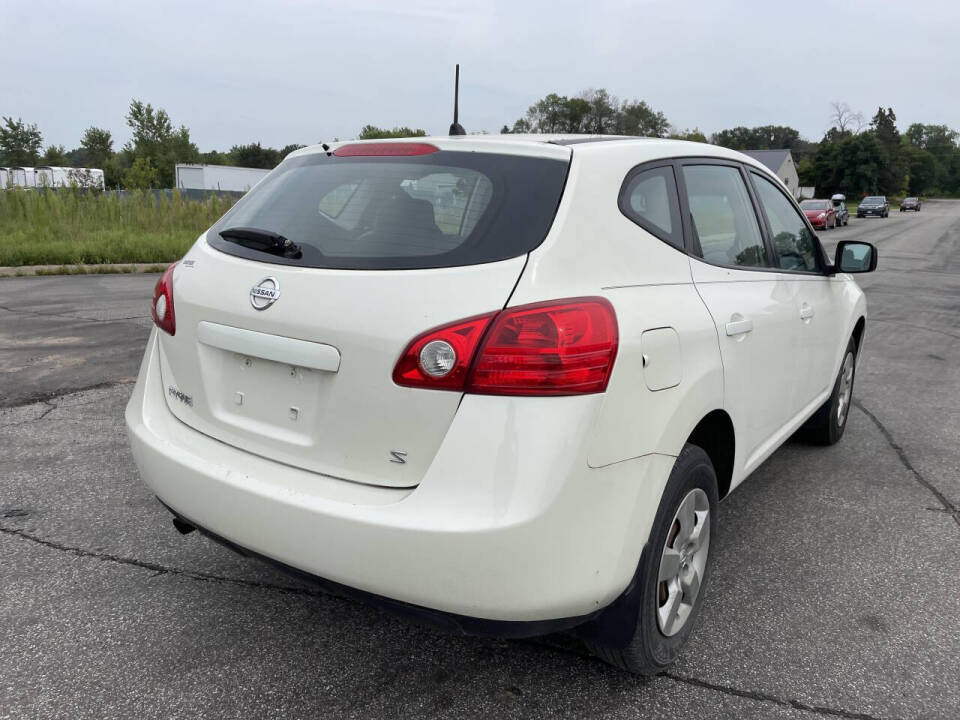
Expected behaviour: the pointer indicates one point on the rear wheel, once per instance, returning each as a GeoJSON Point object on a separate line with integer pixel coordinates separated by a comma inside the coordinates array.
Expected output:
{"type": "Point", "coordinates": [826, 426]}
{"type": "Point", "coordinates": [674, 569]}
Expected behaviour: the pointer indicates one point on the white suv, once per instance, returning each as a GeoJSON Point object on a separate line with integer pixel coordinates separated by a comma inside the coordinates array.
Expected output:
{"type": "Point", "coordinates": [497, 383]}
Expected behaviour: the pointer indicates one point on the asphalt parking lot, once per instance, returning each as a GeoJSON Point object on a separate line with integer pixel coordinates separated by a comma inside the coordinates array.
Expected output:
{"type": "Point", "coordinates": [836, 588]}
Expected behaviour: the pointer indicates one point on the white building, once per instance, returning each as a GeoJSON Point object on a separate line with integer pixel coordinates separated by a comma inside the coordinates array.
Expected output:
{"type": "Point", "coordinates": [54, 177]}
{"type": "Point", "coordinates": [781, 163]}
{"type": "Point", "coordinates": [24, 177]}
{"type": "Point", "coordinates": [216, 177]}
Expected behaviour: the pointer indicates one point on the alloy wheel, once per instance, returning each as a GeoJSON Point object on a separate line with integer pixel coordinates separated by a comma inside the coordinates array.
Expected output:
{"type": "Point", "coordinates": [846, 389]}
{"type": "Point", "coordinates": [683, 562]}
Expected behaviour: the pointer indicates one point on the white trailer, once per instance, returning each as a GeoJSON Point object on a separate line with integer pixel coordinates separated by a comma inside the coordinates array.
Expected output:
{"type": "Point", "coordinates": [55, 177]}
{"type": "Point", "coordinates": [23, 177]}
{"type": "Point", "coordinates": [217, 177]}
{"type": "Point", "coordinates": [4, 178]}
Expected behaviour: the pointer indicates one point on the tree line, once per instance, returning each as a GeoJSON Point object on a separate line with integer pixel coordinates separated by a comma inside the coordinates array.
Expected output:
{"type": "Point", "coordinates": [855, 156]}
{"type": "Point", "coordinates": [145, 161]}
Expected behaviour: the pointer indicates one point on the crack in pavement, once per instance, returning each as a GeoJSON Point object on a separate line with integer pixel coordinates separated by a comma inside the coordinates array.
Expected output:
{"type": "Point", "coordinates": [765, 697]}
{"type": "Point", "coordinates": [21, 311]}
{"type": "Point", "coordinates": [158, 570]}
{"type": "Point", "coordinates": [948, 506]}
{"type": "Point", "coordinates": [58, 394]}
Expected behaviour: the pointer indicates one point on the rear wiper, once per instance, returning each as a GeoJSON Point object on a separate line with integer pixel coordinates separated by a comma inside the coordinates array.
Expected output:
{"type": "Point", "coordinates": [262, 240]}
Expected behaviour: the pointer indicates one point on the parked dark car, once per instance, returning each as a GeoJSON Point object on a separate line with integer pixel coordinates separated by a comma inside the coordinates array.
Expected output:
{"type": "Point", "coordinates": [820, 213]}
{"type": "Point", "coordinates": [873, 205]}
{"type": "Point", "coordinates": [911, 203]}
{"type": "Point", "coordinates": [840, 206]}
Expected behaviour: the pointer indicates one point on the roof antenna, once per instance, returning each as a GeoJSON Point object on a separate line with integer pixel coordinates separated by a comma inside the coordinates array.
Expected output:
{"type": "Point", "coordinates": [457, 128]}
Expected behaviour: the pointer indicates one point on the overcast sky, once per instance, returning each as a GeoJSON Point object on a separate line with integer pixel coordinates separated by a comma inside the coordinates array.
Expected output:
{"type": "Point", "coordinates": [300, 71]}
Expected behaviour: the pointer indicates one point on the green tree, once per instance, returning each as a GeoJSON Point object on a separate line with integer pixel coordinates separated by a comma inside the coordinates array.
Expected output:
{"type": "Point", "coordinates": [287, 149]}
{"type": "Point", "coordinates": [550, 115]}
{"type": "Point", "coordinates": [921, 170]}
{"type": "Point", "coordinates": [114, 169]}
{"type": "Point", "coordinates": [859, 163]}
{"type": "Point", "coordinates": [155, 137]}
{"type": "Point", "coordinates": [694, 135]}
{"type": "Point", "coordinates": [941, 142]}
{"type": "Point", "coordinates": [638, 118]}
{"type": "Point", "coordinates": [20, 143]}
{"type": "Point", "coordinates": [603, 116]}
{"type": "Point", "coordinates": [97, 145]}
{"type": "Point", "coordinates": [55, 156]}
{"type": "Point", "coordinates": [372, 132]}
{"type": "Point", "coordinates": [142, 175]}
{"type": "Point", "coordinates": [763, 137]}
{"type": "Point", "coordinates": [522, 125]}
{"type": "Point", "coordinates": [254, 156]}
{"type": "Point", "coordinates": [592, 111]}
{"type": "Point", "coordinates": [892, 175]}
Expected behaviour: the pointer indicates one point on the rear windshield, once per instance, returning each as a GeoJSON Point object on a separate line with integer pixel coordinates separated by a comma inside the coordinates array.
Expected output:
{"type": "Point", "coordinates": [873, 200]}
{"type": "Point", "coordinates": [443, 209]}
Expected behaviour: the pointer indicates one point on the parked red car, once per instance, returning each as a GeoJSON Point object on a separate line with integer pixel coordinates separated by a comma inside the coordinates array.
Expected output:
{"type": "Point", "coordinates": [820, 213]}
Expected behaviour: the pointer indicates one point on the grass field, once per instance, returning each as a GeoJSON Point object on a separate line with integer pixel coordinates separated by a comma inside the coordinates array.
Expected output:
{"type": "Point", "coordinates": [66, 228]}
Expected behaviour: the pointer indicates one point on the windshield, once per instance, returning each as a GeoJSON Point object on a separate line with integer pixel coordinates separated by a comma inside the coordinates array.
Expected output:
{"type": "Point", "coordinates": [814, 205]}
{"type": "Point", "coordinates": [873, 200]}
{"type": "Point", "coordinates": [441, 209]}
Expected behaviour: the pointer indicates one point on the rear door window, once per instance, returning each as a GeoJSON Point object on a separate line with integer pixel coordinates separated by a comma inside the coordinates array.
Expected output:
{"type": "Point", "coordinates": [649, 198]}
{"type": "Point", "coordinates": [724, 222]}
{"type": "Point", "coordinates": [793, 241]}
{"type": "Point", "coordinates": [441, 209]}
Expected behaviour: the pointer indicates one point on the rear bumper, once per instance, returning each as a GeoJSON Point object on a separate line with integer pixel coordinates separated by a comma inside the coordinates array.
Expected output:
{"type": "Point", "coordinates": [498, 530]}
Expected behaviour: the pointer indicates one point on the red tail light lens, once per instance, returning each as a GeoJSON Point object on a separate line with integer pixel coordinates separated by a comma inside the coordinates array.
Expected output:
{"type": "Point", "coordinates": [394, 149]}
{"type": "Point", "coordinates": [564, 348]}
{"type": "Point", "coordinates": [552, 348]}
{"type": "Point", "coordinates": [440, 358]}
{"type": "Point", "coordinates": [162, 311]}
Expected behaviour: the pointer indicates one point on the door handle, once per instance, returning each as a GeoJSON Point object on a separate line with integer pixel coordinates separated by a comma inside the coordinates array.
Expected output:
{"type": "Point", "coordinates": [806, 312]}
{"type": "Point", "coordinates": [739, 327]}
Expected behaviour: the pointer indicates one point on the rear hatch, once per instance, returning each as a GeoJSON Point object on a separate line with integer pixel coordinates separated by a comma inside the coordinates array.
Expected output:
{"type": "Point", "coordinates": [373, 250]}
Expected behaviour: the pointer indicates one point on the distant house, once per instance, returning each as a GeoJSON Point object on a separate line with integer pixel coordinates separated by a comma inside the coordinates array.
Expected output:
{"type": "Point", "coordinates": [781, 164]}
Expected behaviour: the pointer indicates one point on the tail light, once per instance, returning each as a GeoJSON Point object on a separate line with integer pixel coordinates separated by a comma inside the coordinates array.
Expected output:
{"type": "Point", "coordinates": [388, 149]}
{"type": "Point", "coordinates": [440, 358]}
{"type": "Point", "coordinates": [162, 311]}
{"type": "Point", "coordinates": [554, 348]}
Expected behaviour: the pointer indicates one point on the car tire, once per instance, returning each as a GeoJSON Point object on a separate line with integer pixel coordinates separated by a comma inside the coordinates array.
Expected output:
{"type": "Point", "coordinates": [663, 621]}
{"type": "Point", "coordinates": [827, 424]}
{"type": "Point", "coordinates": [836, 221]}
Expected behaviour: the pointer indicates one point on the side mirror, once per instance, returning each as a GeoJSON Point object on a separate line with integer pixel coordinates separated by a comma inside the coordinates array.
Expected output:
{"type": "Point", "coordinates": [855, 257]}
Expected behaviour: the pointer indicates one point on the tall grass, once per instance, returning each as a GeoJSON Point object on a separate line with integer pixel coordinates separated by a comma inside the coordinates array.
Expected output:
{"type": "Point", "coordinates": [70, 227]}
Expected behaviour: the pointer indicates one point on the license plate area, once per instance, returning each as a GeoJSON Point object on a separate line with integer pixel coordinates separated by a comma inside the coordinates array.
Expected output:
{"type": "Point", "coordinates": [264, 398]}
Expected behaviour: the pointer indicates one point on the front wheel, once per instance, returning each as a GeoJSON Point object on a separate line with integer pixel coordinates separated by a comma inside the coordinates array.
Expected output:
{"type": "Point", "coordinates": [674, 570]}
{"type": "Point", "coordinates": [827, 424]}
